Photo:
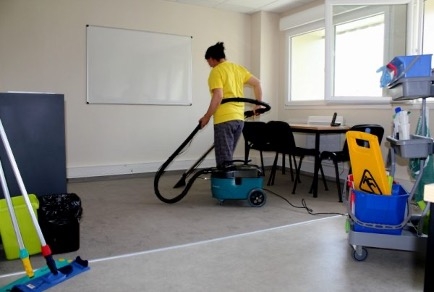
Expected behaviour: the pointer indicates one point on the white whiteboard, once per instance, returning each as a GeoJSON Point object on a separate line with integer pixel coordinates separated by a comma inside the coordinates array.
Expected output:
{"type": "Point", "coordinates": [138, 67]}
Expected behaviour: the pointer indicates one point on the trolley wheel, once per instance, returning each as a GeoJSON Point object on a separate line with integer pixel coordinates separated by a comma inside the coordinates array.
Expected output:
{"type": "Point", "coordinates": [257, 198]}
{"type": "Point", "coordinates": [360, 254]}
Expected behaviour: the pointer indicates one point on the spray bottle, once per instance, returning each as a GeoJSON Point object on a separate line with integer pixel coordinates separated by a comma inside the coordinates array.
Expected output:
{"type": "Point", "coordinates": [401, 125]}
{"type": "Point", "coordinates": [396, 123]}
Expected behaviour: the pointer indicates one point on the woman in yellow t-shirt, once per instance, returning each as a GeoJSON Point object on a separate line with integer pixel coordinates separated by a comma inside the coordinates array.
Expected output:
{"type": "Point", "coordinates": [227, 80]}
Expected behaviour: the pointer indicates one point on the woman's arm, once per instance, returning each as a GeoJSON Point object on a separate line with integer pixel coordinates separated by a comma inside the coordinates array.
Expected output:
{"type": "Point", "coordinates": [216, 99]}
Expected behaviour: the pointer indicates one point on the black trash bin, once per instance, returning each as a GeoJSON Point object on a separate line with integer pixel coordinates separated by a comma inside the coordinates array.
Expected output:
{"type": "Point", "coordinates": [59, 217]}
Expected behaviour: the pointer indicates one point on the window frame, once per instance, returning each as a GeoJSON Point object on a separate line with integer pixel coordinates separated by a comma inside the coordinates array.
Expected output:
{"type": "Point", "coordinates": [413, 43]}
{"type": "Point", "coordinates": [312, 22]}
{"type": "Point", "coordinates": [293, 33]}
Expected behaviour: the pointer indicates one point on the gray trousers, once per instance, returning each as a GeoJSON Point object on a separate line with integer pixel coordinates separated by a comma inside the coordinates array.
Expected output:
{"type": "Point", "coordinates": [226, 136]}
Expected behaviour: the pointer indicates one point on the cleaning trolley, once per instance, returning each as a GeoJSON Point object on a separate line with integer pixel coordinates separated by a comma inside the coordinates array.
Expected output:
{"type": "Point", "coordinates": [380, 211]}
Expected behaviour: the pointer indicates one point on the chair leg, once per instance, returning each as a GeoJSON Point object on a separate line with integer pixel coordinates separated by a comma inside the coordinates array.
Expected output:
{"type": "Point", "coordinates": [273, 171]}
{"type": "Point", "coordinates": [323, 178]}
{"type": "Point", "coordinates": [283, 163]}
{"type": "Point", "coordinates": [262, 163]}
{"type": "Point", "coordinates": [321, 169]}
{"type": "Point", "coordinates": [297, 174]}
{"type": "Point", "coordinates": [290, 167]}
{"type": "Point", "coordinates": [295, 167]}
{"type": "Point", "coordinates": [338, 181]}
{"type": "Point", "coordinates": [246, 152]}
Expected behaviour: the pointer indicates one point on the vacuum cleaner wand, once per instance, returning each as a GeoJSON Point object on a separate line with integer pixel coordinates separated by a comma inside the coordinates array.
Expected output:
{"type": "Point", "coordinates": [181, 181]}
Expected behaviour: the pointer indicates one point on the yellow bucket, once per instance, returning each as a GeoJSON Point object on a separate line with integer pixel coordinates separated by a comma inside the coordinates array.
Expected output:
{"type": "Point", "coordinates": [27, 229]}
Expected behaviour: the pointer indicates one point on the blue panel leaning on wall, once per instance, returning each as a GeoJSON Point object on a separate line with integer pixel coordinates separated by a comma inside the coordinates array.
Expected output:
{"type": "Point", "coordinates": [35, 127]}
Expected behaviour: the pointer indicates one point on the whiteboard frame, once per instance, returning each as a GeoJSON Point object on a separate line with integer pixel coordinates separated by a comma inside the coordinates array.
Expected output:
{"type": "Point", "coordinates": [121, 70]}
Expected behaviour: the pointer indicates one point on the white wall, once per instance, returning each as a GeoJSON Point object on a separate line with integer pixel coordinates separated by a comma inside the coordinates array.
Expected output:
{"type": "Point", "coordinates": [43, 49]}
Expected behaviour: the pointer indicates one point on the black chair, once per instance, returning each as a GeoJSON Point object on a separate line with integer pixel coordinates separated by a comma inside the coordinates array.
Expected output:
{"type": "Point", "coordinates": [282, 140]}
{"type": "Point", "coordinates": [344, 155]}
{"type": "Point", "coordinates": [255, 137]}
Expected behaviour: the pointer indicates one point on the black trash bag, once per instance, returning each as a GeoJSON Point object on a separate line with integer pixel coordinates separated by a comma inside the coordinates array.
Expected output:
{"type": "Point", "coordinates": [59, 217]}
{"type": "Point", "coordinates": [60, 207]}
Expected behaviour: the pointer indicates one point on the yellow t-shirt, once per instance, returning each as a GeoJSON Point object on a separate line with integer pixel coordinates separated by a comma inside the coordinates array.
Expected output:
{"type": "Point", "coordinates": [231, 78]}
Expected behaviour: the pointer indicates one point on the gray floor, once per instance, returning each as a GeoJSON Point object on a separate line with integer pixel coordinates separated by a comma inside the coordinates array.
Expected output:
{"type": "Point", "coordinates": [134, 242]}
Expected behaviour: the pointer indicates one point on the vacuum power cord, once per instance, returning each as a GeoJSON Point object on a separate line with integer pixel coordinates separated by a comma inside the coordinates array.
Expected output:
{"type": "Point", "coordinates": [304, 205]}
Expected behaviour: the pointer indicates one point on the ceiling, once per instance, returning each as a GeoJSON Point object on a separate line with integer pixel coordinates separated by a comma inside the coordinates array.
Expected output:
{"type": "Point", "coordinates": [248, 6]}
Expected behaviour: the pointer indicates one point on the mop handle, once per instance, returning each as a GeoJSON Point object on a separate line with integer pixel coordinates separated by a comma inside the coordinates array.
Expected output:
{"type": "Point", "coordinates": [45, 249]}
{"type": "Point", "coordinates": [11, 207]}
{"type": "Point", "coordinates": [21, 183]}
{"type": "Point", "coordinates": [24, 254]}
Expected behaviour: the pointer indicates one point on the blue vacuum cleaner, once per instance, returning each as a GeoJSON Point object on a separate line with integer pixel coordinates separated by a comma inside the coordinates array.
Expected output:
{"type": "Point", "coordinates": [236, 181]}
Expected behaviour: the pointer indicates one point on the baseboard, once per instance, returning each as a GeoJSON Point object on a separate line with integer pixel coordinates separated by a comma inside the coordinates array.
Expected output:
{"type": "Point", "coordinates": [134, 168]}
{"type": "Point", "coordinates": [148, 167]}
{"type": "Point", "coordinates": [152, 167]}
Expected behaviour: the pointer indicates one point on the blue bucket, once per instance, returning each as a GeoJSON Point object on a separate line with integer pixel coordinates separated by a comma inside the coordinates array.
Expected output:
{"type": "Point", "coordinates": [380, 210]}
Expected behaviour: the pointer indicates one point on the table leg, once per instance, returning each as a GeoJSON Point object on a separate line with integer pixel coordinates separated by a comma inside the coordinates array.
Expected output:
{"type": "Point", "coordinates": [316, 168]}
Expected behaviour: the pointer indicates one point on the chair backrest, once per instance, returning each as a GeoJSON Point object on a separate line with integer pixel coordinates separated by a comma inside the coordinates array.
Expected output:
{"type": "Point", "coordinates": [255, 134]}
{"type": "Point", "coordinates": [281, 136]}
{"type": "Point", "coordinates": [373, 129]}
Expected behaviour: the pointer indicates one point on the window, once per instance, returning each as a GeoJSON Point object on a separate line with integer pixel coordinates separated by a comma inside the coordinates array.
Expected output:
{"type": "Point", "coordinates": [307, 66]}
{"type": "Point", "coordinates": [428, 40]}
{"type": "Point", "coordinates": [333, 57]}
{"type": "Point", "coordinates": [359, 47]}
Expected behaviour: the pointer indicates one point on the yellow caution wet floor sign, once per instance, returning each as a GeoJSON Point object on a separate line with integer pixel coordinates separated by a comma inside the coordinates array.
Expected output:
{"type": "Point", "coordinates": [367, 163]}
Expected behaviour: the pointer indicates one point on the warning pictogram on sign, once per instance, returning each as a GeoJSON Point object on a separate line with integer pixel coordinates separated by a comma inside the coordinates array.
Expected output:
{"type": "Point", "coordinates": [368, 183]}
